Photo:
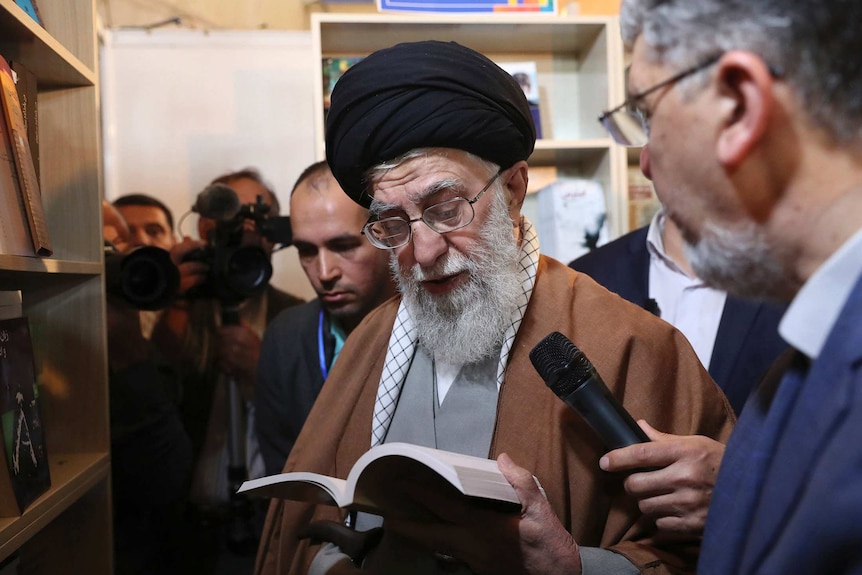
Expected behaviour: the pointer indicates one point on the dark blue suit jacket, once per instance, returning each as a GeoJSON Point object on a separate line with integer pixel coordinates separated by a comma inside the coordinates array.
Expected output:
{"type": "Point", "coordinates": [289, 377]}
{"type": "Point", "coordinates": [789, 493]}
{"type": "Point", "coordinates": [747, 341]}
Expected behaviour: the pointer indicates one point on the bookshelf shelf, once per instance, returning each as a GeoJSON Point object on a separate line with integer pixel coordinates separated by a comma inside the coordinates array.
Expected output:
{"type": "Point", "coordinates": [23, 39]}
{"type": "Point", "coordinates": [77, 473]}
{"type": "Point", "coordinates": [68, 528]}
{"type": "Point", "coordinates": [579, 70]}
{"type": "Point", "coordinates": [47, 265]}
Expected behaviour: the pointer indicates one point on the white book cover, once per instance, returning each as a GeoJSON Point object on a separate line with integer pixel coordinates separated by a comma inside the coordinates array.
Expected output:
{"type": "Point", "coordinates": [572, 218]}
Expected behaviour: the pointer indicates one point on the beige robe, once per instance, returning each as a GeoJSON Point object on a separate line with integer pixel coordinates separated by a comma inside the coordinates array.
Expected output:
{"type": "Point", "coordinates": [645, 362]}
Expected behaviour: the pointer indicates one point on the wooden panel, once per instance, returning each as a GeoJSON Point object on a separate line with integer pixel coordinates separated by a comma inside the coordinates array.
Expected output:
{"type": "Point", "coordinates": [71, 185]}
{"type": "Point", "coordinates": [21, 38]}
{"type": "Point", "coordinates": [67, 529]}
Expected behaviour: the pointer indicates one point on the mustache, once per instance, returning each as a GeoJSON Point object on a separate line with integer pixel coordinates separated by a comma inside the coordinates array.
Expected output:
{"type": "Point", "coordinates": [452, 264]}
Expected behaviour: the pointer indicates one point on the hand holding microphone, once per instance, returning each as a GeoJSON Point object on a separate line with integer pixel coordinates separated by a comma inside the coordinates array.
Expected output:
{"type": "Point", "coordinates": [571, 376]}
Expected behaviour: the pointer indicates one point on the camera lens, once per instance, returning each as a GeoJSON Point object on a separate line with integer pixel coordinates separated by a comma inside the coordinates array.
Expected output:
{"type": "Point", "coordinates": [146, 277]}
{"type": "Point", "coordinates": [248, 270]}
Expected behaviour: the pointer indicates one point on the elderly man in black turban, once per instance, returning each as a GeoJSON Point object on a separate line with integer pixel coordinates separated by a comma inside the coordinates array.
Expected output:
{"type": "Point", "coordinates": [433, 138]}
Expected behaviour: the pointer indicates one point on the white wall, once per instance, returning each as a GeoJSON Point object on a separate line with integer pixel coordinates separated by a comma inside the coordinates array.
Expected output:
{"type": "Point", "coordinates": [181, 107]}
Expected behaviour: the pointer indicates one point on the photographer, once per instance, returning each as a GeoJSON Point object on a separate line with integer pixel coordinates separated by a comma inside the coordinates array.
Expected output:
{"type": "Point", "coordinates": [151, 454]}
{"type": "Point", "coordinates": [208, 351]}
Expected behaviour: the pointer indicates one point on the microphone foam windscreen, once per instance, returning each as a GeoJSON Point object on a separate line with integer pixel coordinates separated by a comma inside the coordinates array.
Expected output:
{"type": "Point", "coordinates": [560, 363]}
{"type": "Point", "coordinates": [218, 202]}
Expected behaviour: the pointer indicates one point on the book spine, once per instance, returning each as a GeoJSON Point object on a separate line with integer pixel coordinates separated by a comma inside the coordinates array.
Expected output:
{"type": "Point", "coordinates": [28, 91]}
{"type": "Point", "coordinates": [23, 160]}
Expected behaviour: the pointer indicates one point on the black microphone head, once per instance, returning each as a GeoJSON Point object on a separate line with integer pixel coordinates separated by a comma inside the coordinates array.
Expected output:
{"type": "Point", "coordinates": [561, 364]}
{"type": "Point", "coordinates": [218, 202]}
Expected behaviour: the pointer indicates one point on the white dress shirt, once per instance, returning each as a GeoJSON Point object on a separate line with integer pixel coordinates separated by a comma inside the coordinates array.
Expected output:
{"type": "Point", "coordinates": [683, 301]}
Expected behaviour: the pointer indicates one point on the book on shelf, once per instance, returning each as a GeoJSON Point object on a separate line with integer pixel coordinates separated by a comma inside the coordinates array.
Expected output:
{"type": "Point", "coordinates": [20, 418]}
{"type": "Point", "coordinates": [571, 218]}
{"type": "Point", "coordinates": [32, 10]}
{"type": "Point", "coordinates": [27, 87]}
{"type": "Point", "coordinates": [332, 69]}
{"type": "Point", "coordinates": [372, 483]}
{"type": "Point", "coordinates": [525, 73]}
{"type": "Point", "coordinates": [23, 189]}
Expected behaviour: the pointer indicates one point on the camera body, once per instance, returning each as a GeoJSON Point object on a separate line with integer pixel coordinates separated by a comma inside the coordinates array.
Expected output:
{"type": "Point", "coordinates": [237, 271]}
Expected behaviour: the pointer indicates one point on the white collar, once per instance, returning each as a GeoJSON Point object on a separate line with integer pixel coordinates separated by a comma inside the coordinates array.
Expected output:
{"type": "Point", "coordinates": [810, 317]}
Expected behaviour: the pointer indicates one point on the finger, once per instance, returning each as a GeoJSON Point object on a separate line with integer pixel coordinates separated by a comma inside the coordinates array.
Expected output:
{"type": "Point", "coordinates": [652, 433]}
{"type": "Point", "coordinates": [521, 480]}
{"type": "Point", "coordinates": [678, 504]}
{"type": "Point", "coordinates": [638, 456]}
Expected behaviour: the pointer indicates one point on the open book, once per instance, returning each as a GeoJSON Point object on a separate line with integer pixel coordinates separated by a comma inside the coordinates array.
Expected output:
{"type": "Point", "coordinates": [372, 485]}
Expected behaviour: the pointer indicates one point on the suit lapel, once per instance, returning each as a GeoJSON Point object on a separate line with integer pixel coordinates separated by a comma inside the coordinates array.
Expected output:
{"type": "Point", "coordinates": [736, 321]}
{"type": "Point", "coordinates": [822, 406]}
{"type": "Point", "coordinates": [639, 285]}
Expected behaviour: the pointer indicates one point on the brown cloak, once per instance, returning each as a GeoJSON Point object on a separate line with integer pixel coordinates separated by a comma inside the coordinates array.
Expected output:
{"type": "Point", "coordinates": [646, 363]}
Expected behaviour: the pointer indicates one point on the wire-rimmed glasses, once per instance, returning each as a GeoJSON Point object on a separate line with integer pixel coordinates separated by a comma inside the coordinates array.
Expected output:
{"type": "Point", "coordinates": [444, 217]}
{"type": "Point", "coordinates": [627, 124]}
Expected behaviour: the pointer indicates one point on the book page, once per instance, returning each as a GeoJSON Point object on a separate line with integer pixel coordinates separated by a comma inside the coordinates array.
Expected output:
{"type": "Point", "coordinates": [378, 477]}
{"type": "Point", "coordinates": [299, 486]}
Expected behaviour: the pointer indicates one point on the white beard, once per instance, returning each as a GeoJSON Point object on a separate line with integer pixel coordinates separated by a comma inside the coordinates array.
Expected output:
{"type": "Point", "coordinates": [740, 261]}
{"type": "Point", "coordinates": [469, 323]}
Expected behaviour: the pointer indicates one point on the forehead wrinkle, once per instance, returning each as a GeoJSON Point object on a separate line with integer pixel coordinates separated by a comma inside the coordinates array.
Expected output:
{"type": "Point", "coordinates": [417, 197]}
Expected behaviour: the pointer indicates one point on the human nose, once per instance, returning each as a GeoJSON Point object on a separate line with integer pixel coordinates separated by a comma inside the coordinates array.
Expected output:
{"type": "Point", "coordinates": [427, 244]}
{"type": "Point", "coordinates": [645, 163]}
{"type": "Point", "coordinates": [328, 269]}
{"type": "Point", "coordinates": [139, 238]}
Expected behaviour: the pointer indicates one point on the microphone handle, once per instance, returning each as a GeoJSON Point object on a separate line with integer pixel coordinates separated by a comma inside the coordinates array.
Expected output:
{"type": "Point", "coordinates": [606, 416]}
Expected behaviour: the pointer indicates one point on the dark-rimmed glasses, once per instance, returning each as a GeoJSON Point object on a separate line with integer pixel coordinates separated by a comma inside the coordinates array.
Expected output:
{"type": "Point", "coordinates": [444, 217]}
{"type": "Point", "coordinates": [627, 124]}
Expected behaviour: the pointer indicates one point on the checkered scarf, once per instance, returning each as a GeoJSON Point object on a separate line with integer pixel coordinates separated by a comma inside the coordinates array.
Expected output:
{"type": "Point", "coordinates": [402, 342]}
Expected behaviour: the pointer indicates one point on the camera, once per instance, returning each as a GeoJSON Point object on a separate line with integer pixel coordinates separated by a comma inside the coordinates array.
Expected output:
{"type": "Point", "coordinates": [145, 277]}
{"type": "Point", "coordinates": [236, 271]}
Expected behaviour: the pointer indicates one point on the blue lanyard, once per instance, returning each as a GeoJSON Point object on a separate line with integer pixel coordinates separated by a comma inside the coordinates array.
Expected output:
{"type": "Point", "coordinates": [320, 350]}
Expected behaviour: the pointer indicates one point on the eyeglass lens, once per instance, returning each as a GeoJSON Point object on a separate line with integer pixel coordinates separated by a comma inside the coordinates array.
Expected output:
{"type": "Point", "coordinates": [444, 217]}
{"type": "Point", "coordinates": [626, 127]}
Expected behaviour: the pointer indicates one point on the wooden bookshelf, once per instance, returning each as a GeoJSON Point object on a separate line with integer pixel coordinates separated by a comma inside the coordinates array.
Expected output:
{"type": "Point", "coordinates": [579, 69]}
{"type": "Point", "coordinates": [68, 529]}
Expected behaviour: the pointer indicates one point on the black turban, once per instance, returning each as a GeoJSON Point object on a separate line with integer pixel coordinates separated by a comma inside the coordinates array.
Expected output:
{"type": "Point", "coordinates": [421, 95]}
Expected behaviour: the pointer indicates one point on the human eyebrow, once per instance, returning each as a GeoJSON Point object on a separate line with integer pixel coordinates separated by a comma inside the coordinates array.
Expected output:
{"type": "Point", "coordinates": [455, 185]}
{"type": "Point", "coordinates": [378, 208]}
{"type": "Point", "coordinates": [447, 184]}
{"type": "Point", "coordinates": [344, 242]}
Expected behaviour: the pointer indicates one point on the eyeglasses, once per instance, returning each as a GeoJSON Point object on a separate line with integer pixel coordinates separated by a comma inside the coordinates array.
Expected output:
{"type": "Point", "coordinates": [627, 124]}
{"type": "Point", "coordinates": [445, 217]}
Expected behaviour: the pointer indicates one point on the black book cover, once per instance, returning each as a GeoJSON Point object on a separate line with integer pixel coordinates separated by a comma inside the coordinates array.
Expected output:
{"type": "Point", "coordinates": [23, 434]}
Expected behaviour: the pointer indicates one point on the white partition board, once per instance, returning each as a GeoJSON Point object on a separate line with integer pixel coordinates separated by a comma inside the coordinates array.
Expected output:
{"type": "Point", "coordinates": [180, 107]}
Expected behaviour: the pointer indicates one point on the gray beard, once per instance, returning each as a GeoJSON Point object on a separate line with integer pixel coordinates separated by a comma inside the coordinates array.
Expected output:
{"type": "Point", "coordinates": [469, 323]}
{"type": "Point", "coordinates": [741, 261]}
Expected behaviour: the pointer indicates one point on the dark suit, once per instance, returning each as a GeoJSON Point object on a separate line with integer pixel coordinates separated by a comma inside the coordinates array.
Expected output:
{"type": "Point", "coordinates": [789, 493]}
{"type": "Point", "coordinates": [289, 379]}
{"type": "Point", "coordinates": [747, 341]}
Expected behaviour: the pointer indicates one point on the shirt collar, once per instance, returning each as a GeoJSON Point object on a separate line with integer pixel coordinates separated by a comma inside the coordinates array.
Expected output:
{"type": "Point", "coordinates": [812, 313]}
{"type": "Point", "coordinates": [655, 246]}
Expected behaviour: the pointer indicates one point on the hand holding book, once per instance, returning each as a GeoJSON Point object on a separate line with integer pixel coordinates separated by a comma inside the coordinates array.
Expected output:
{"type": "Point", "coordinates": [456, 531]}
{"type": "Point", "coordinates": [374, 483]}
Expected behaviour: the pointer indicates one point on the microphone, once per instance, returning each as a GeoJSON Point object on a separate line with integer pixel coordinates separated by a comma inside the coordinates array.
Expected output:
{"type": "Point", "coordinates": [217, 202]}
{"type": "Point", "coordinates": [571, 376]}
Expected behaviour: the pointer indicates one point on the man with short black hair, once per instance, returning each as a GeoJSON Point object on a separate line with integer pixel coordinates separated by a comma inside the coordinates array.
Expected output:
{"type": "Point", "coordinates": [150, 221]}
{"type": "Point", "coordinates": [350, 276]}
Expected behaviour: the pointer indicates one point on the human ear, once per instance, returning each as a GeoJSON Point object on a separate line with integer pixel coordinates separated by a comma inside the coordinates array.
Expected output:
{"type": "Point", "coordinates": [516, 186]}
{"type": "Point", "coordinates": [746, 100]}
